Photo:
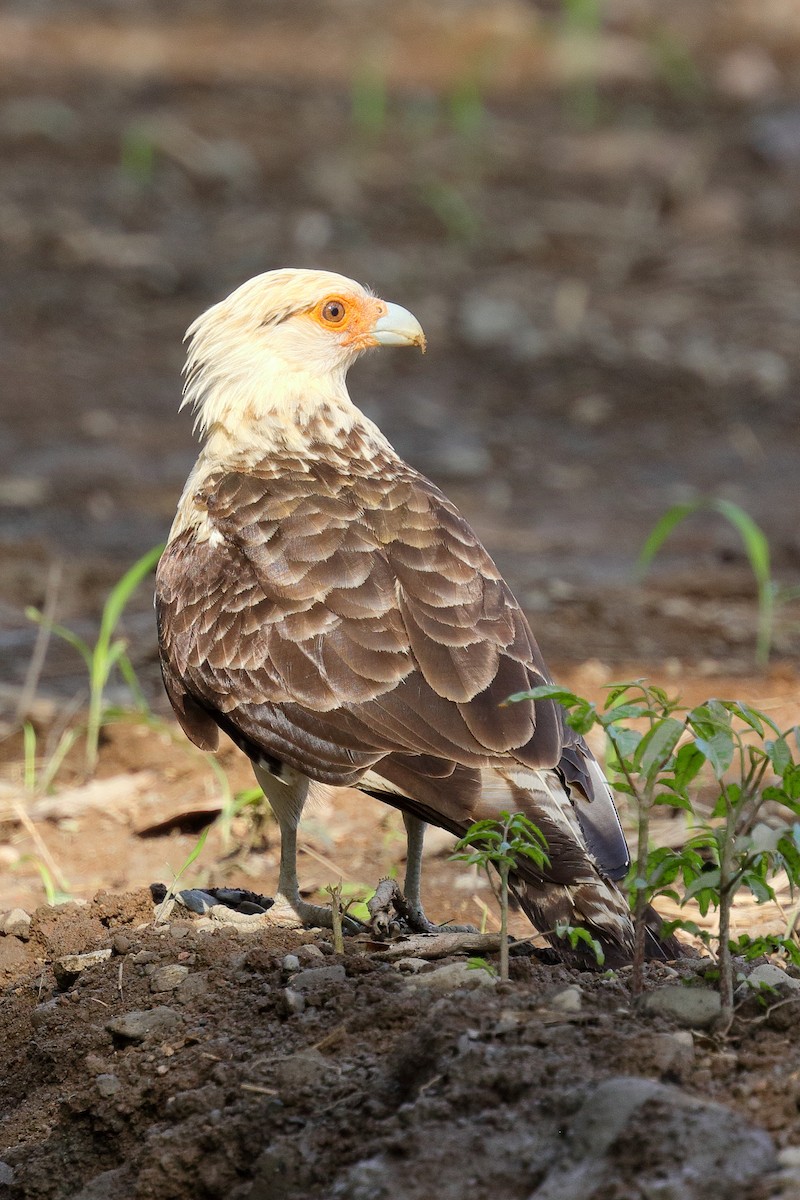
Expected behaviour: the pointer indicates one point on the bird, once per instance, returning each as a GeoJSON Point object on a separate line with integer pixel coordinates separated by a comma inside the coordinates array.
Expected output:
{"type": "Point", "coordinates": [326, 606]}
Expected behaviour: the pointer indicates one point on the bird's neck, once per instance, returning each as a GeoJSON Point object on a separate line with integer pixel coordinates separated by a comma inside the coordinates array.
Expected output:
{"type": "Point", "coordinates": [295, 415]}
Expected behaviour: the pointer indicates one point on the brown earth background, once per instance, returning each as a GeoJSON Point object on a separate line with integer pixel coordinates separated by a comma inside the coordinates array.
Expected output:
{"type": "Point", "coordinates": [597, 222]}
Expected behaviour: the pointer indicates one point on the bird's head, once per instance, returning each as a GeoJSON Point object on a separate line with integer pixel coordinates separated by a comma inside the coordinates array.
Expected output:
{"type": "Point", "coordinates": [281, 344]}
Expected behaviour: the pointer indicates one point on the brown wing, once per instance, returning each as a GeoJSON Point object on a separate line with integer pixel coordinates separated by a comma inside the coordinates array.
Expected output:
{"type": "Point", "coordinates": [332, 620]}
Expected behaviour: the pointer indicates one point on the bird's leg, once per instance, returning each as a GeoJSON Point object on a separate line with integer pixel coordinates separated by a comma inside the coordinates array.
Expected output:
{"type": "Point", "coordinates": [411, 906]}
{"type": "Point", "coordinates": [287, 795]}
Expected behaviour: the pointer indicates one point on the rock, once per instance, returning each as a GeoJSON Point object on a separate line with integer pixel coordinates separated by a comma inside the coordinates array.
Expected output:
{"type": "Point", "coordinates": [67, 968]}
{"type": "Point", "coordinates": [136, 1026]}
{"type": "Point", "coordinates": [291, 963]}
{"type": "Point", "coordinates": [453, 976]}
{"type": "Point", "coordinates": [693, 1007]}
{"type": "Point", "coordinates": [316, 977]}
{"type": "Point", "coordinates": [121, 944]}
{"type": "Point", "coordinates": [672, 1146]}
{"type": "Point", "coordinates": [107, 1084]}
{"type": "Point", "coordinates": [167, 978]}
{"type": "Point", "coordinates": [307, 1069]}
{"type": "Point", "coordinates": [309, 954]}
{"type": "Point", "coordinates": [16, 923]}
{"type": "Point", "coordinates": [292, 1002]}
{"type": "Point", "coordinates": [662, 1053]}
{"type": "Point", "coordinates": [110, 1185]}
{"type": "Point", "coordinates": [43, 1012]}
{"type": "Point", "coordinates": [195, 984]}
{"type": "Point", "coordinates": [767, 975]}
{"type": "Point", "coordinates": [6, 1175]}
{"type": "Point", "coordinates": [411, 966]}
{"type": "Point", "coordinates": [568, 1000]}
{"type": "Point", "coordinates": [12, 954]}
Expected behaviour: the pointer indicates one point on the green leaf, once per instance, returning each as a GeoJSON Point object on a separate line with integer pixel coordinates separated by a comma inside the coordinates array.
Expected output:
{"type": "Point", "coordinates": [718, 750]}
{"type": "Point", "coordinates": [661, 531]}
{"type": "Point", "coordinates": [657, 745]}
{"type": "Point", "coordinates": [779, 755]}
{"type": "Point", "coordinates": [688, 764]}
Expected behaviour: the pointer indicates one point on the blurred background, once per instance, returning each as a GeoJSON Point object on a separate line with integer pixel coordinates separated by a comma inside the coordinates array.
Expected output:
{"type": "Point", "coordinates": [592, 206]}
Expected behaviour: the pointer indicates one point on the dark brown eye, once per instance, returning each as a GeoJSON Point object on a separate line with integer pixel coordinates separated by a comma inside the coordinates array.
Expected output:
{"type": "Point", "coordinates": [334, 312]}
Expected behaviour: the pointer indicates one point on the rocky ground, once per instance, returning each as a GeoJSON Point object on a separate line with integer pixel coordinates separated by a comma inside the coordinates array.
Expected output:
{"type": "Point", "coordinates": [599, 229]}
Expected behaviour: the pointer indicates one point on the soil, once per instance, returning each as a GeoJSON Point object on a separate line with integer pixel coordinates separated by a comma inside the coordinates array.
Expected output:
{"type": "Point", "coordinates": [600, 234]}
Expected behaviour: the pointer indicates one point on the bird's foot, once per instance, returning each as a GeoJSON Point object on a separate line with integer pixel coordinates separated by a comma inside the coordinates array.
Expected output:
{"type": "Point", "coordinates": [391, 913]}
{"type": "Point", "coordinates": [315, 915]}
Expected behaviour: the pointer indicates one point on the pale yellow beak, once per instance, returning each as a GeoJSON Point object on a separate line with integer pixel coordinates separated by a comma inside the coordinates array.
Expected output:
{"type": "Point", "coordinates": [398, 327]}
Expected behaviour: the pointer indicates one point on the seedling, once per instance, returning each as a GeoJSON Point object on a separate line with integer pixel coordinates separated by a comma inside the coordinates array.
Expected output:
{"type": "Point", "coordinates": [756, 548]}
{"type": "Point", "coordinates": [749, 761]}
{"type": "Point", "coordinates": [501, 844]}
{"type": "Point", "coordinates": [108, 652]}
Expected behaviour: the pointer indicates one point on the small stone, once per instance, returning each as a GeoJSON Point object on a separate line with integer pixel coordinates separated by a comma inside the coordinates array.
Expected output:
{"type": "Point", "coordinates": [309, 954]}
{"type": "Point", "coordinates": [144, 957]}
{"type": "Point", "coordinates": [136, 1026]}
{"type": "Point", "coordinates": [67, 968]}
{"type": "Point", "coordinates": [167, 978]}
{"type": "Point", "coordinates": [767, 976]}
{"type": "Point", "coordinates": [43, 1012]}
{"type": "Point", "coordinates": [308, 1068]}
{"type": "Point", "coordinates": [107, 1085]}
{"type": "Point", "coordinates": [789, 1158]}
{"type": "Point", "coordinates": [316, 977]}
{"type": "Point", "coordinates": [453, 976]}
{"type": "Point", "coordinates": [6, 1175]}
{"type": "Point", "coordinates": [121, 944]}
{"type": "Point", "coordinates": [292, 1002]}
{"type": "Point", "coordinates": [664, 1053]}
{"type": "Point", "coordinates": [568, 1000]}
{"type": "Point", "coordinates": [16, 923]}
{"type": "Point", "coordinates": [291, 963]}
{"type": "Point", "coordinates": [12, 954]}
{"type": "Point", "coordinates": [411, 966]}
{"type": "Point", "coordinates": [195, 984]}
{"type": "Point", "coordinates": [179, 929]}
{"type": "Point", "coordinates": [693, 1007]}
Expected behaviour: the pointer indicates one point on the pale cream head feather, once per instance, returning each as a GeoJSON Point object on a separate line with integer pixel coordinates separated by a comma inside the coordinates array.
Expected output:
{"type": "Point", "coordinates": [279, 347]}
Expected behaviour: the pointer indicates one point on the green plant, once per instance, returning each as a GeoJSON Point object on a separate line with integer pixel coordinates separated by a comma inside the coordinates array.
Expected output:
{"type": "Point", "coordinates": [162, 912]}
{"type": "Point", "coordinates": [501, 844]}
{"type": "Point", "coordinates": [107, 653]}
{"type": "Point", "coordinates": [748, 761]}
{"type": "Point", "coordinates": [756, 548]}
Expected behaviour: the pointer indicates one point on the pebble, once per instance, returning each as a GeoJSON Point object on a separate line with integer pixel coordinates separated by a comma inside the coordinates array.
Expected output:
{"type": "Point", "coordinates": [121, 944]}
{"type": "Point", "coordinates": [308, 1068]}
{"type": "Point", "coordinates": [292, 1002]}
{"type": "Point", "coordinates": [107, 1084]}
{"type": "Point", "coordinates": [411, 966]}
{"type": "Point", "coordinates": [67, 968]}
{"type": "Point", "coordinates": [453, 976]}
{"type": "Point", "coordinates": [291, 963]}
{"type": "Point", "coordinates": [767, 975]}
{"type": "Point", "coordinates": [16, 923]}
{"type": "Point", "coordinates": [42, 1013]}
{"type": "Point", "coordinates": [167, 978]}
{"type": "Point", "coordinates": [136, 1026]}
{"type": "Point", "coordinates": [568, 1000]}
{"type": "Point", "coordinates": [693, 1007]}
{"type": "Point", "coordinates": [309, 954]}
{"type": "Point", "coordinates": [315, 977]}
{"type": "Point", "coordinates": [6, 1175]}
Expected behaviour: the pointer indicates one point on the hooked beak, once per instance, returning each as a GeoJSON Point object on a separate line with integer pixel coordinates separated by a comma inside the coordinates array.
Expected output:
{"type": "Point", "coordinates": [398, 327]}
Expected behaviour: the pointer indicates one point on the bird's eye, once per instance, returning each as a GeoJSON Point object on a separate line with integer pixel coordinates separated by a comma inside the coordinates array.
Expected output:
{"type": "Point", "coordinates": [334, 312]}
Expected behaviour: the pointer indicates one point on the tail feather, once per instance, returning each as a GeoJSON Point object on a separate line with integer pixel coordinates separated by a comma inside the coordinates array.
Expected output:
{"type": "Point", "coordinates": [573, 808]}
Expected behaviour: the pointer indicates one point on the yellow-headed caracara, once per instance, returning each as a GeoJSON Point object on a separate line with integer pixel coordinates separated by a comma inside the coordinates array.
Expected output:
{"type": "Point", "coordinates": [327, 607]}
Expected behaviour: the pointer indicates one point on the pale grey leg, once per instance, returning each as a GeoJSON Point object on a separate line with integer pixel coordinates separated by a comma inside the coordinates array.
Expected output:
{"type": "Point", "coordinates": [415, 833]}
{"type": "Point", "coordinates": [287, 796]}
